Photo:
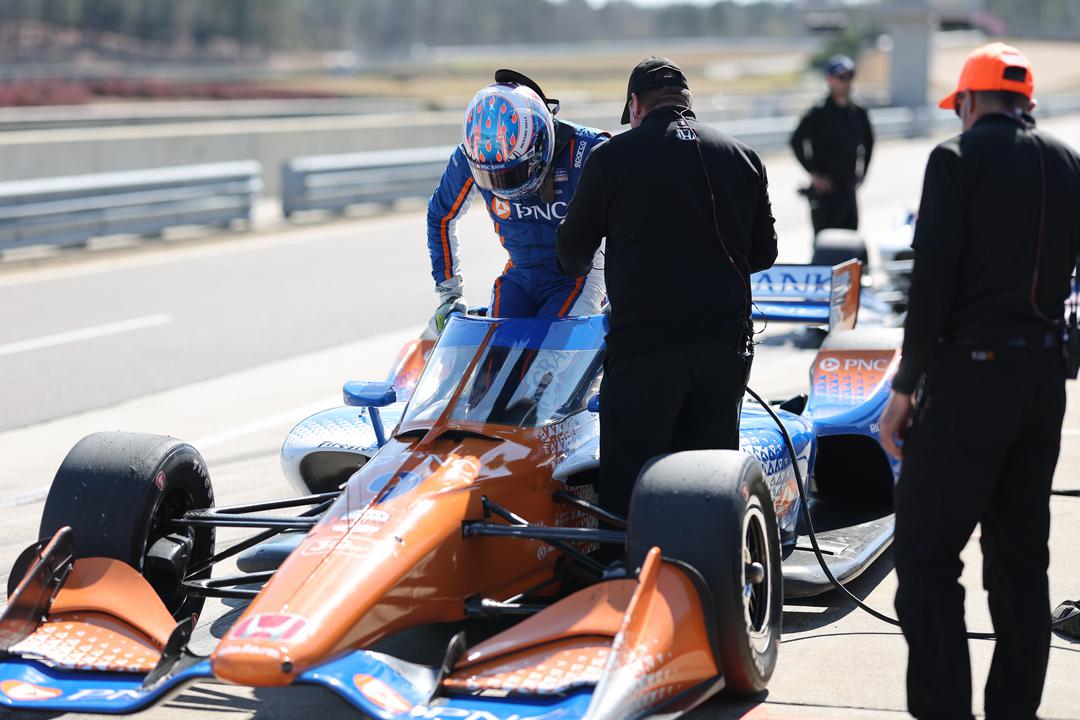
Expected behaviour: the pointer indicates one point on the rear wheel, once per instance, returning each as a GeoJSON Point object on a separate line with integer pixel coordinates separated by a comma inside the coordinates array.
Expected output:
{"type": "Point", "coordinates": [712, 510]}
{"type": "Point", "coordinates": [121, 493]}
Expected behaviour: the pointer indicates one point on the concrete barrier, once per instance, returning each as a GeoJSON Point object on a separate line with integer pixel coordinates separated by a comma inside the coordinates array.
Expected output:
{"type": "Point", "coordinates": [28, 154]}
{"type": "Point", "coordinates": [333, 182]}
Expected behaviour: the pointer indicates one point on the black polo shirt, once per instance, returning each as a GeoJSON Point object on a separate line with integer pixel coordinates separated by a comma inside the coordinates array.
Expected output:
{"type": "Point", "coordinates": [835, 141]}
{"type": "Point", "coordinates": [669, 279]}
{"type": "Point", "coordinates": [981, 272]}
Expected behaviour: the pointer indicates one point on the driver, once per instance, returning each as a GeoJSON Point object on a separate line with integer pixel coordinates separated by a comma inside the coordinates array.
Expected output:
{"type": "Point", "coordinates": [525, 165]}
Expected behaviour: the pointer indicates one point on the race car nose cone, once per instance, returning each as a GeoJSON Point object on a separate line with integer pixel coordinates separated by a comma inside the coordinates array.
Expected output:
{"type": "Point", "coordinates": [253, 664]}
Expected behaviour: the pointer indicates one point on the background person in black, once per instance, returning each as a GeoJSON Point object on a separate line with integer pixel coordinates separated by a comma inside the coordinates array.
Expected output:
{"type": "Point", "coordinates": [680, 247]}
{"type": "Point", "coordinates": [995, 244]}
{"type": "Point", "coordinates": [834, 142]}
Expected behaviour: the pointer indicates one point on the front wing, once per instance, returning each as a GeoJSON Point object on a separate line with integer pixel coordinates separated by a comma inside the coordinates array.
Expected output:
{"type": "Point", "coordinates": [625, 648]}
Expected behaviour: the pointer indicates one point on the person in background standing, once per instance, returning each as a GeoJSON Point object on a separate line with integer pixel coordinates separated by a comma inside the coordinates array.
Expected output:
{"type": "Point", "coordinates": [834, 142]}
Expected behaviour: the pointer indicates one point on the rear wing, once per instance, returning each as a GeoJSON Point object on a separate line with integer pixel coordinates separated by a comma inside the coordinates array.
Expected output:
{"type": "Point", "coordinates": [808, 294]}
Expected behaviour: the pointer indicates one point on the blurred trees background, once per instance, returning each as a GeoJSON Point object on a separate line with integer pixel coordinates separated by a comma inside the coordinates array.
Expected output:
{"type": "Point", "coordinates": [373, 26]}
{"type": "Point", "coordinates": [222, 27]}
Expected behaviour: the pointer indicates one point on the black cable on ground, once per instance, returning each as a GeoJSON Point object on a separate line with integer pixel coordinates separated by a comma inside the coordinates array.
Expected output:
{"type": "Point", "coordinates": [810, 525]}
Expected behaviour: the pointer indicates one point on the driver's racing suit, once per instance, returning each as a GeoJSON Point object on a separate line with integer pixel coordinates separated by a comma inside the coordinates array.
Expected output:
{"type": "Point", "coordinates": [531, 284]}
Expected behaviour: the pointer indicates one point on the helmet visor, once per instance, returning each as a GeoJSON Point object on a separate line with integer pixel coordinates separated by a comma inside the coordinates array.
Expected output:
{"type": "Point", "coordinates": [508, 182]}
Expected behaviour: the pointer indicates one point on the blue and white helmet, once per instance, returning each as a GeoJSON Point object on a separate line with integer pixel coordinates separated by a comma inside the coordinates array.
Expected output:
{"type": "Point", "coordinates": [509, 139]}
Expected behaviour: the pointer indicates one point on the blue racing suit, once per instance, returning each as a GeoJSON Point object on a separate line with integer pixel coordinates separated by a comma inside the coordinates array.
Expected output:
{"type": "Point", "coordinates": [531, 284]}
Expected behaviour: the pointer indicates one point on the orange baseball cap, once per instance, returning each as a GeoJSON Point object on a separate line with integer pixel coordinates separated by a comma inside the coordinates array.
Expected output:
{"type": "Point", "coordinates": [996, 66]}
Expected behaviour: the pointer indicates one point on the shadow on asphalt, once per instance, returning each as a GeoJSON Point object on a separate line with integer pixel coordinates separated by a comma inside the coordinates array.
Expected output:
{"type": "Point", "coordinates": [285, 703]}
{"type": "Point", "coordinates": [720, 708]}
{"type": "Point", "coordinates": [805, 614]}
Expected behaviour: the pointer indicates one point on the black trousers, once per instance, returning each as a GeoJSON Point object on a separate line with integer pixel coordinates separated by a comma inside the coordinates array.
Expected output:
{"type": "Point", "coordinates": [668, 400]}
{"type": "Point", "coordinates": [983, 449]}
{"type": "Point", "coordinates": [837, 209]}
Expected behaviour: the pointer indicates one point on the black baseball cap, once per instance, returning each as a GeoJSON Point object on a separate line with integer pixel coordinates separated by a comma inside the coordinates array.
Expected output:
{"type": "Point", "coordinates": [649, 74]}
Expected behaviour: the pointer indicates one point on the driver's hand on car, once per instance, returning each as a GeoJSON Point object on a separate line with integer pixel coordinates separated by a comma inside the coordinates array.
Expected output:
{"type": "Point", "coordinates": [442, 314]}
{"type": "Point", "coordinates": [895, 421]}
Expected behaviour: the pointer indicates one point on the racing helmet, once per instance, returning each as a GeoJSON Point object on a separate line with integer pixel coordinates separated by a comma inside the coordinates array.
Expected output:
{"type": "Point", "coordinates": [509, 139]}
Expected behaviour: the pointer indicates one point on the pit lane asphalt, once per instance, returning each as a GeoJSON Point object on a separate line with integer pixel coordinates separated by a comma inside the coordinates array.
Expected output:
{"type": "Point", "coordinates": [228, 344]}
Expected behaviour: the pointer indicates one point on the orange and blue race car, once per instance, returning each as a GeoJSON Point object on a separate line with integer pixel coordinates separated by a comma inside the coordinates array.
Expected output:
{"type": "Point", "coordinates": [465, 487]}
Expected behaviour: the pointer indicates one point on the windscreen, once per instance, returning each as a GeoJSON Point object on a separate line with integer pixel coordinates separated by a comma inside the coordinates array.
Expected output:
{"type": "Point", "coordinates": [530, 372]}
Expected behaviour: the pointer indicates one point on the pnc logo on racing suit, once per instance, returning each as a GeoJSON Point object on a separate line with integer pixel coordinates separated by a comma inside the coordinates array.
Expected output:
{"type": "Point", "coordinates": [269, 626]}
{"type": "Point", "coordinates": [500, 207]}
{"type": "Point", "coordinates": [24, 691]}
{"type": "Point", "coordinates": [507, 210]}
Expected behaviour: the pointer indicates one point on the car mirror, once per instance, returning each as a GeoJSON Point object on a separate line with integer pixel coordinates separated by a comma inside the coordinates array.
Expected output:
{"type": "Point", "coordinates": [594, 403]}
{"type": "Point", "coordinates": [369, 394]}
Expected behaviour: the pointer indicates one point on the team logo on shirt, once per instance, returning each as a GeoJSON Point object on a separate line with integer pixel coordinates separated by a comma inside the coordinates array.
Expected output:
{"type": "Point", "coordinates": [500, 207]}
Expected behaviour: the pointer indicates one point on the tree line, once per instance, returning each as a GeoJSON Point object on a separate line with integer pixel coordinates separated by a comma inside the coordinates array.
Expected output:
{"type": "Point", "coordinates": [394, 26]}
{"type": "Point", "coordinates": [390, 25]}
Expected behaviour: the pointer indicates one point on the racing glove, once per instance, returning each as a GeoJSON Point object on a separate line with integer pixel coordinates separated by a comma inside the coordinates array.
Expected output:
{"type": "Point", "coordinates": [442, 314]}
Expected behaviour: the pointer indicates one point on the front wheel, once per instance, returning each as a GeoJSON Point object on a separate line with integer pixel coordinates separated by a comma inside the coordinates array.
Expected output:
{"type": "Point", "coordinates": [712, 510]}
{"type": "Point", "coordinates": [121, 493]}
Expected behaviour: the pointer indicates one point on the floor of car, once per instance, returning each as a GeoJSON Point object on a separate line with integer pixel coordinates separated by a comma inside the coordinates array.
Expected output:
{"type": "Point", "coordinates": [832, 514]}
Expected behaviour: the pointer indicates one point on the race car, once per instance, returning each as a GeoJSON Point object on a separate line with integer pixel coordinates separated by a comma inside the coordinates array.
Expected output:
{"type": "Point", "coordinates": [475, 497]}
{"type": "Point", "coordinates": [890, 260]}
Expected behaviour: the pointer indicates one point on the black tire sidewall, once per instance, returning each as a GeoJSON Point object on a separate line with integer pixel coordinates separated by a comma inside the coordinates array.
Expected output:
{"type": "Point", "coordinates": [693, 506]}
{"type": "Point", "coordinates": [110, 488]}
{"type": "Point", "coordinates": [748, 659]}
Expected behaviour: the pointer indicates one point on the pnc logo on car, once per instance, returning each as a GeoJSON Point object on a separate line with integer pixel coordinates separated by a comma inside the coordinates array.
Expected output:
{"type": "Point", "coordinates": [381, 694]}
{"type": "Point", "coordinates": [269, 626]}
{"type": "Point", "coordinates": [829, 364]}
{"type": "Point", "coordinates": [26, 692]}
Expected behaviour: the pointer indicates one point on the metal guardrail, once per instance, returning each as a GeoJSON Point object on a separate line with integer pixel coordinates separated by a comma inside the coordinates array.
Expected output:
{"type": "Point", "coordinates": [67, 211]}
{"type": "Point", "coordinates": [333, 182]}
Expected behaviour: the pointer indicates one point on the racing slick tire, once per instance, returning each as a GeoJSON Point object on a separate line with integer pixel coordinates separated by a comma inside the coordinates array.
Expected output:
{"type": "Point", "coordinates": [711, 509]}
{"type": "Point", "coordinates": [119, 492]}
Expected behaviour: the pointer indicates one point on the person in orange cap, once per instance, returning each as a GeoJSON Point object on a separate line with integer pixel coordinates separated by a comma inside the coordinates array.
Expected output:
{"type": "Point", "coordinates": [978, 400]}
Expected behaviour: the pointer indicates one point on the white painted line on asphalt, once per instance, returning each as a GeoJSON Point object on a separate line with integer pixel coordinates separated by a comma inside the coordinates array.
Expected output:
{"type": "Point", "coordinates": [24, 498]}
{"type": "Point", "coordinates": [88, 333]}
{"type": "Point", "coordinates": [295, 415]}
{"type": "Point", "coordinates": [211, 247]}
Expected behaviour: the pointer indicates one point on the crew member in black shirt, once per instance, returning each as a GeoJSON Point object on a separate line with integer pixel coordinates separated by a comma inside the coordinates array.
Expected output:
{"type": "Point", "coordinates": [685, 210]}
{"type": "Point", "coordinates": [834, 142]}
{"type": "Point", "coordinates": [982, 384]}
